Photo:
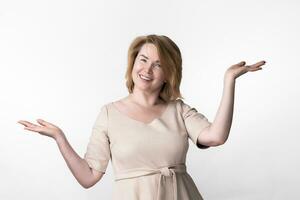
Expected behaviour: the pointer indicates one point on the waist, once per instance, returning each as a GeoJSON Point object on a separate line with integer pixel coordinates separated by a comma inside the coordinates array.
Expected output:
{"type": "Point", "coordinates": [162, 171]}
{"type": "Point", "coordinates": [165, 171]}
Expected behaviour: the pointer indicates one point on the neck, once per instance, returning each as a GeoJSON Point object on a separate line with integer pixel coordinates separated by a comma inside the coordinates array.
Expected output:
{"type": "Point", "coordinates": [145, 99]}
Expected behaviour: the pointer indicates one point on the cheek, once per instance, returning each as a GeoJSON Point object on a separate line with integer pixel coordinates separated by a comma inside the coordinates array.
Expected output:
{"type": "Point", "coordinates": [136, 67]}
{"type": "Point", "coordinates": [135, 70]}
{"type": "Point", "coordinates": [161, 76]}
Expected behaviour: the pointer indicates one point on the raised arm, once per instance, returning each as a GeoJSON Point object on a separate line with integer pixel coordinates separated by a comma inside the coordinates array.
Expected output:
{"type": "Point", "coordinates": [85, 176]}
{"type": "Point", "coordinates": [217, 133]}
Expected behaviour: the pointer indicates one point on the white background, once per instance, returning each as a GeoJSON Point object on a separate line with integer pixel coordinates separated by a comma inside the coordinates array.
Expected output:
{"type": "Point", "coordinates": [62, 60]}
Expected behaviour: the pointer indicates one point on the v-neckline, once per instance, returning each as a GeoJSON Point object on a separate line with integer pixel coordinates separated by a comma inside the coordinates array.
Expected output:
{"type": "Point", "coordinates": [138, 121]}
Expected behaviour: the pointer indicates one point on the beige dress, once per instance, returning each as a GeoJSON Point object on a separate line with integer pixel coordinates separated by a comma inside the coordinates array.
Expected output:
{"type": "Point", "coordinates": [148, 159]}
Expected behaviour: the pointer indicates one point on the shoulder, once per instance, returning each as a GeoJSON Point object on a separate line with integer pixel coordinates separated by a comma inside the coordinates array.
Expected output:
{"type": "Point", "coordinates": [180, 104]}
{"type": "Point", "coordinates": [184, 108]}
{"type": "Point", "coordinates": [103, 109]}
{"type": "Point", "coordinates": [108, 104]}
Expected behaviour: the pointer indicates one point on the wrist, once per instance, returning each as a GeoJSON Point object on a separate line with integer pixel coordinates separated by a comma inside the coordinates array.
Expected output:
{"type": "Point", "coordinates": [59, 137]}
{"type": "Point", "coordinates": [229, 79]}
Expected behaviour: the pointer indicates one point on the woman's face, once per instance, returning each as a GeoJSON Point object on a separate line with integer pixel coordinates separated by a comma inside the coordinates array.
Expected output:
{"type": "Point", "coordinates": [147, 73]}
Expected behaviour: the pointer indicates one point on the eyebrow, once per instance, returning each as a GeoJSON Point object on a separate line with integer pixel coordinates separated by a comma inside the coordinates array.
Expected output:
{"type": "Point", "coordinates": [147, 57]}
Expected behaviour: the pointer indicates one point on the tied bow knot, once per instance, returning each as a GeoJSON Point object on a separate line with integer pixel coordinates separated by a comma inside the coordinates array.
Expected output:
{"type": "Point", "coordinates": [162, 189]}
{"type": "Point", "coordinates": [166, 171]}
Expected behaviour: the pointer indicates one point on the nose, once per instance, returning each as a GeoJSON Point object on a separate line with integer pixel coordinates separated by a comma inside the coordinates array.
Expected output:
{"type": "Point", "coordinates": [149, 68]}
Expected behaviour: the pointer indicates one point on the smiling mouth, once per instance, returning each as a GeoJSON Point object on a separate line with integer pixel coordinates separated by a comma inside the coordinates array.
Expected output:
{"type": "Point", "coordinates": [145, 78]}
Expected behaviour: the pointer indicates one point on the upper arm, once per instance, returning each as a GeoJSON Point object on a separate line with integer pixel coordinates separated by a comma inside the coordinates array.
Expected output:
{"type": "Point", "coordinates": [198, 127]}
{"type": "Point", "coordinates": [98, 152]}
{"type": "Point", "coordinates": [206, 139]}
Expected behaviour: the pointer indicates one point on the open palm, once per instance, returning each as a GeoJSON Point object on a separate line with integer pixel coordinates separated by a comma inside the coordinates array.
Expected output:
{"type": "Point", "coordinates": [241, 68]}
{"type": "Point", "coordinates": [45, 128]}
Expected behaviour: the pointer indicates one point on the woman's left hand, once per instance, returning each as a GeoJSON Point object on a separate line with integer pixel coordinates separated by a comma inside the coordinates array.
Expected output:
{"type": "Point", "coordinates": [241, 68]}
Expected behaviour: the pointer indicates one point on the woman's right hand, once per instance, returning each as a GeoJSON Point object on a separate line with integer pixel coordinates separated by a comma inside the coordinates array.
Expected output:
{"type": "Point", "coordinates": [46, 128]}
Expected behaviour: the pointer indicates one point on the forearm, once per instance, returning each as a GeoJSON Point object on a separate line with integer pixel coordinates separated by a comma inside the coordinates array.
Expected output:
{"type": "Point", "coordinates": [223, 119]}
{"type": "Point", "coordinates": [76, 164]}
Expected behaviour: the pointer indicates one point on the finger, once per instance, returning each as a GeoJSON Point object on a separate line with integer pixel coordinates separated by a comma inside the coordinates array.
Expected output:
{"type": "Point", "coordinates": [35, 129]}
{"type": "Point", "coordinates": [22, 122]}
{"type": "Point", "coordinates": [254, 69]}
{"type": "Point", "coordinates": [44, 123]}
{"type": "Point", "coordinates": [242, 63]}
{"type": "Point", "coordinates": [26, 123]}
{"type": "Point", "coordinates": [41, 122]}
{"type": "Point", "coordinates": [258, 64]}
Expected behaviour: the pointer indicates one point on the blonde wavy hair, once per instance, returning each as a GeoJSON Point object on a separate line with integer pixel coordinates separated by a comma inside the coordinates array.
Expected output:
{"type": "Point", "coordinates": [171, 63]}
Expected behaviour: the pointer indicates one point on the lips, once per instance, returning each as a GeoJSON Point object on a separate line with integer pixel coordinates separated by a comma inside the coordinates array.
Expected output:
{"type": "Point", "coordinates": [145, 77]}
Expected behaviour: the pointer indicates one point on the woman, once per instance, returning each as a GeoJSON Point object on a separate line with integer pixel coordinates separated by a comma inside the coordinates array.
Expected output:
{"type": "Point", "coordinates": [145, 134]}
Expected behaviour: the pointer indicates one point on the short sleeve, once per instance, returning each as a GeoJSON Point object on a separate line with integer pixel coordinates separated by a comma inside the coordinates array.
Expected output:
{"type": "Point", "coordinates": [195, 122]}
{"type": "Point", "coordinates": [98, 150]}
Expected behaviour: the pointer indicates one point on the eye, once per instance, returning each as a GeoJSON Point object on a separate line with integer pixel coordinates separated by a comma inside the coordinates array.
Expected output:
{"type": "Point", "coordinates": [143, 60]}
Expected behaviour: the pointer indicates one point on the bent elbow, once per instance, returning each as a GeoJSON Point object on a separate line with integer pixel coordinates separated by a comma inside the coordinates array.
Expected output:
{"type": "Point", "coordinates": [219, 141]}
{"type": "Point", "coordinates": [91, 183]}
{"type": "Point", "coordinates": [86, 186]}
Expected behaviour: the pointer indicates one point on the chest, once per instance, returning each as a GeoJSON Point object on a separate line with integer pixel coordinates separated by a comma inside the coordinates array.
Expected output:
{"type": "Point", "coordinates": [144, 115]}
{"type": "Point", "coordinates": [160, 142]}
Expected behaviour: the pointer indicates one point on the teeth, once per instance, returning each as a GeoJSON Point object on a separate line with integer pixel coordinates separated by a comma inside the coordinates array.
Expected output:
{"type": "Point", "coordinates": [145, 78]}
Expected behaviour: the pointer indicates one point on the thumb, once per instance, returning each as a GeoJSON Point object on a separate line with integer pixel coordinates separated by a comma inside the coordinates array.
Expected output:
{"type": "Point", "coordinates": [44, 123]}
{"type": "Point", "coordinates": [242, 63]}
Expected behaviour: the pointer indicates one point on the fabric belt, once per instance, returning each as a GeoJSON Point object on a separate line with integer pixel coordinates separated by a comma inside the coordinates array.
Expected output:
{"type": "Point", "coordinates": [169, 171]}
